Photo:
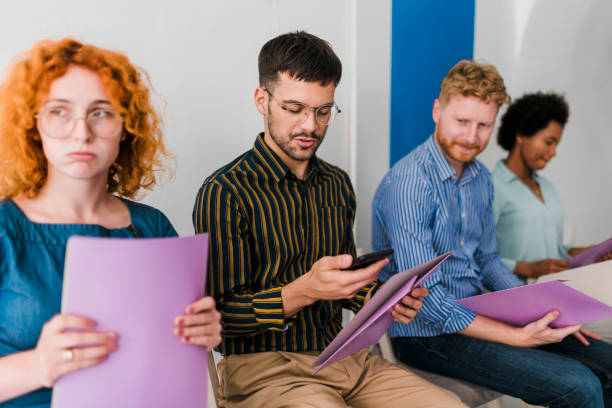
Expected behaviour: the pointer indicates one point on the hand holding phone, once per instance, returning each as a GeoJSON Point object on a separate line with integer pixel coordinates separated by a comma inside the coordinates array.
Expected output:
{"type": "Point", "coordinates": [368, 259]}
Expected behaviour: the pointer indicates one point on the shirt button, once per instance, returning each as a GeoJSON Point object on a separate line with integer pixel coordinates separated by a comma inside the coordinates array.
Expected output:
{"type": "Point", "coordinates": [463, 214]}
{"type": "Point", "coordinates": [461, 243]}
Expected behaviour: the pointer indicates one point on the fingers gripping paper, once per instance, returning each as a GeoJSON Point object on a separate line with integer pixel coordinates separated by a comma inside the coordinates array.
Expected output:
{"type": "Point", "coordinates": [525, 304]}
{"type": "Point", "coordinates": [135, 287]}
{"type": "Point", "coordinates": [591, 255]}
{"type": "Point", "coordinates": [375, 318]}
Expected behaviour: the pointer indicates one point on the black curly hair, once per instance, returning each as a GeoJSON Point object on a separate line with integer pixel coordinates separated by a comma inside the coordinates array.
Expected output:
{"type": "Point", "coordinates": [529, 114]}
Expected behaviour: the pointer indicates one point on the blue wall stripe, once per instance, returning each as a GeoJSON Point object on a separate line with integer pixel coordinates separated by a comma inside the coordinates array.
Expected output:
{"type": "Point", "coordinates": [427, 38]}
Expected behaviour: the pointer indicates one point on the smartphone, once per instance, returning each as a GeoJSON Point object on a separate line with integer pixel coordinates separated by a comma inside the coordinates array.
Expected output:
{"type": "Point", "coordinates": [368, 259]}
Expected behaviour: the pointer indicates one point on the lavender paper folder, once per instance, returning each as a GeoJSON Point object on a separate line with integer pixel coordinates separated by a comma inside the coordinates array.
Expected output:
{"type": "Point", "coordinates": [524, 304]}
{"type": "Point", "coordinates": [374, 319]}
{"type": "Point", "coordinates": [136, 287]}
{"type": "Point", "coordinates": [591, 255]}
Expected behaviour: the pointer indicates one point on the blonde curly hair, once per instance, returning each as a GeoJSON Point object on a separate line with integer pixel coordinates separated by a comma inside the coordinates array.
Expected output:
{"type": "Point", "coordinates": [23, 165]}
{"type": "Point", "coordinates": [473, 78]}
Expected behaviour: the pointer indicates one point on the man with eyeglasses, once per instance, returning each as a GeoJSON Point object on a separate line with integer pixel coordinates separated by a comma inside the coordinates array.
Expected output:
{"type": "Point", "coordinates": [280, 221]}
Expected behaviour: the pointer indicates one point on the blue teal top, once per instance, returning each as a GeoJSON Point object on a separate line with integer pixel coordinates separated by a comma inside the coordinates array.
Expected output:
{"type": "Point", "coordinates": [527, 229]}
{"type": "Point", "coordinates": [31, 271]}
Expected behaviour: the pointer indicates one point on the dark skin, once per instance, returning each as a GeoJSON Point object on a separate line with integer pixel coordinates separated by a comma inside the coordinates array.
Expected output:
{"type": "Point", "coordinates": [529, 154]}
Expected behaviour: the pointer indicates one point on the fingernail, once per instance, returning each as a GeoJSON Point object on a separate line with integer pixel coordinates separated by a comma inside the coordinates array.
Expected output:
{"type": "Point", "coordinates": [179, 331]}
{"type": "Point", "coordinates": [190, 310]}
{"type": "Point", "coordinates": [180, 322]}
{"type": "Point", "coordinates": [186, 338]}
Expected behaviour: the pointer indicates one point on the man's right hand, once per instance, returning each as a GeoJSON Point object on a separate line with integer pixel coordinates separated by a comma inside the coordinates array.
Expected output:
{"type": "Point", "coordinates": [543, 267]}
{"type": "Point", "coordinates": [327, 280]}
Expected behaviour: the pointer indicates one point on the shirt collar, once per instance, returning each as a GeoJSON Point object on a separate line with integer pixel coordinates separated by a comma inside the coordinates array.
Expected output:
{"type": "Point", "coordinates": [277, 167]}
{"type": "Point", "coordinates": [507, 175]}
{"type": "Point", "coordinates": [445, 170]}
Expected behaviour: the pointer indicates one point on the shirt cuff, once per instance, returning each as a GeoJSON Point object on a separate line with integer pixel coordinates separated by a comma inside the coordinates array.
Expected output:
{"type": "Point", "coordinates": [460, 318]}
{"type": "Point", "coordinates": [269, 312]}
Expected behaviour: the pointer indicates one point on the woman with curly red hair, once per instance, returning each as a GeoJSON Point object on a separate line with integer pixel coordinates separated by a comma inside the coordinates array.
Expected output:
{"type": "Point", "coordinates": [78, 137]}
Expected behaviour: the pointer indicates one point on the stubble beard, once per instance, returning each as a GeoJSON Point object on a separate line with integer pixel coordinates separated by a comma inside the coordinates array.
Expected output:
{"type": "Point", "coordinates": [294, 152]}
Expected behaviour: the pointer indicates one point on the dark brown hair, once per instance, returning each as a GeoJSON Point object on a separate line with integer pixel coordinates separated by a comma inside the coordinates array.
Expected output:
{"type": "Point", "coordinates": [302, 55]}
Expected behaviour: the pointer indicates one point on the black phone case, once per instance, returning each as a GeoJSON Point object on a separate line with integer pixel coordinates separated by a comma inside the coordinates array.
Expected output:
{"type": "Point", "coordinates": [368, 259]}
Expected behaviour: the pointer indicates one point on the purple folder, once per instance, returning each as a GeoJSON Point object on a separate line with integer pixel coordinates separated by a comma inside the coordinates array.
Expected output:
{"type": "Point", "coordinates": [524, 304]}
{"type": "Point", "coordinates": [591, 255]}
{"type": "Point", "coordinates": [374, 319]}
{"type": "Point", "coordinates": [136, 287]}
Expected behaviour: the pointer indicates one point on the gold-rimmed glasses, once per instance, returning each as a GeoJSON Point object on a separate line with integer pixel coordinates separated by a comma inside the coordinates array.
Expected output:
{"type": "Point", "coordinates": [324, 114]}
{"type": "Point", "coordinates": [59, 122]}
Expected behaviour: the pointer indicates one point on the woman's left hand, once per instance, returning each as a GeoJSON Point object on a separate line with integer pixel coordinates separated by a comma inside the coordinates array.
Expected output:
{"type": "Point", "coordinates": [200, 325]}
{"type": "Point", "coordinates": [604, 258]}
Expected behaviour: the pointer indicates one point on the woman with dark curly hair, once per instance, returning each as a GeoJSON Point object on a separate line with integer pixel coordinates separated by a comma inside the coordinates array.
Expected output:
{"type": "Point", "coordinates": [528, 211]}
{"type": "Point", "coordinates": [78, 137]}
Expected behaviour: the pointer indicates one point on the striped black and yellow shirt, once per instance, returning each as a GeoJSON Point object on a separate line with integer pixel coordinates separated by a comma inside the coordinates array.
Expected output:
{"type": "Point", "coordinates": [267, 228]}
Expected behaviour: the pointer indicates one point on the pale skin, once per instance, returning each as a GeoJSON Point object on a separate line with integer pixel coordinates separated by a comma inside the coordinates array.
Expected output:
{"type": "Point", "coordinates": [463, 128]}
{"type": "Point", "coordinates": [295, 139]}
{"type": "Point", "coordinates": [529, 154]}
{"type": "Point", "coordinates": [75, 192]}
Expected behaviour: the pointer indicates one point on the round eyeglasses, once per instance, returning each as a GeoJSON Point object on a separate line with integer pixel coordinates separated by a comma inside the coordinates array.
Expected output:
{"type": "Point", "coordinates": [324, 114]}
{"type": "Point", "coordinates": [59, 122]}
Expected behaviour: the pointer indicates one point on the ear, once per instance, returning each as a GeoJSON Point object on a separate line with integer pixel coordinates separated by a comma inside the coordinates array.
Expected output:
{"type": "Point", "coordinates": [519, 140]}
{"type": "Point", "coordinates": [261, 100]}
{"type": "Point", "coordinates": [435, 112]}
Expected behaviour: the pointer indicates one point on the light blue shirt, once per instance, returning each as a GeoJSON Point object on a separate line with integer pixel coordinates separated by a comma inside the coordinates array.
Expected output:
{"type": "Point", "coordinates": [422, 210]}
{"type": "Point", "coordinates": [527, 229]}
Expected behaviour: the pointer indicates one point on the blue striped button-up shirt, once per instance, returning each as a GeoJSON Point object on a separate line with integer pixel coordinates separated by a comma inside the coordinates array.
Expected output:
{"type": "Point", "coordinates": [422, 210]}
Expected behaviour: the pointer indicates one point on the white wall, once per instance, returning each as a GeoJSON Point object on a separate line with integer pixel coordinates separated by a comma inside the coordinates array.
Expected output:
{"type": "Point", "coordinates": [372, 107]}
{"type": "Point", "coordinates": [202, 60]}
{"type": "Point", "coordinates": [564, 46]}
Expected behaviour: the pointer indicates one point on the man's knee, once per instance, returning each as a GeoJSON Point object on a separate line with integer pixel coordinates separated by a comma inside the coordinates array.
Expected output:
{"type": "Point", "coordinates": [580, 388]}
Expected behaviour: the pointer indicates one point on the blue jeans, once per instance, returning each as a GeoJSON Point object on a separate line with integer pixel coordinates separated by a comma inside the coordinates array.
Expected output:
{"type": "Point", "coordinates": [565, 374]}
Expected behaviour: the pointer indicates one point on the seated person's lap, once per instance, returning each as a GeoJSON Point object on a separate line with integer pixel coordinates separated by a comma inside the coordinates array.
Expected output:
{"type": "Point", "coordinates": [532, 374]}
{"type": "Point", "coordinates": [275, 379]}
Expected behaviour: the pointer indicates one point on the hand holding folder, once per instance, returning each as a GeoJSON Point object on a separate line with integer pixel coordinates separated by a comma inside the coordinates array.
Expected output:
{"type": "Point", "coordinates": [136, 287]}
{"type": "Point", "coordinates": [525, 304]}
{"type": "Point", "coordinates": [591, 255]}
{"type": "Point", "coordinates": [374, 319]}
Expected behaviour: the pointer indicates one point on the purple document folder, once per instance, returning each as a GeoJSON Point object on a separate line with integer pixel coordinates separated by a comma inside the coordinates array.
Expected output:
{"type": "Point", "coordinates": [136, 287]}
{"type": "Point", "coordinates": [591, 255]}
{"type": "Point", "coordinates": [525, 304]}
{"type": "Point", "coordinates": [374, 319]}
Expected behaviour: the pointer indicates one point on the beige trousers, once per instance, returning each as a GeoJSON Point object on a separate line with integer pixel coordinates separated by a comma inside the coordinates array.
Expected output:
{"type": "Point", "coordinates": [282, 379]}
